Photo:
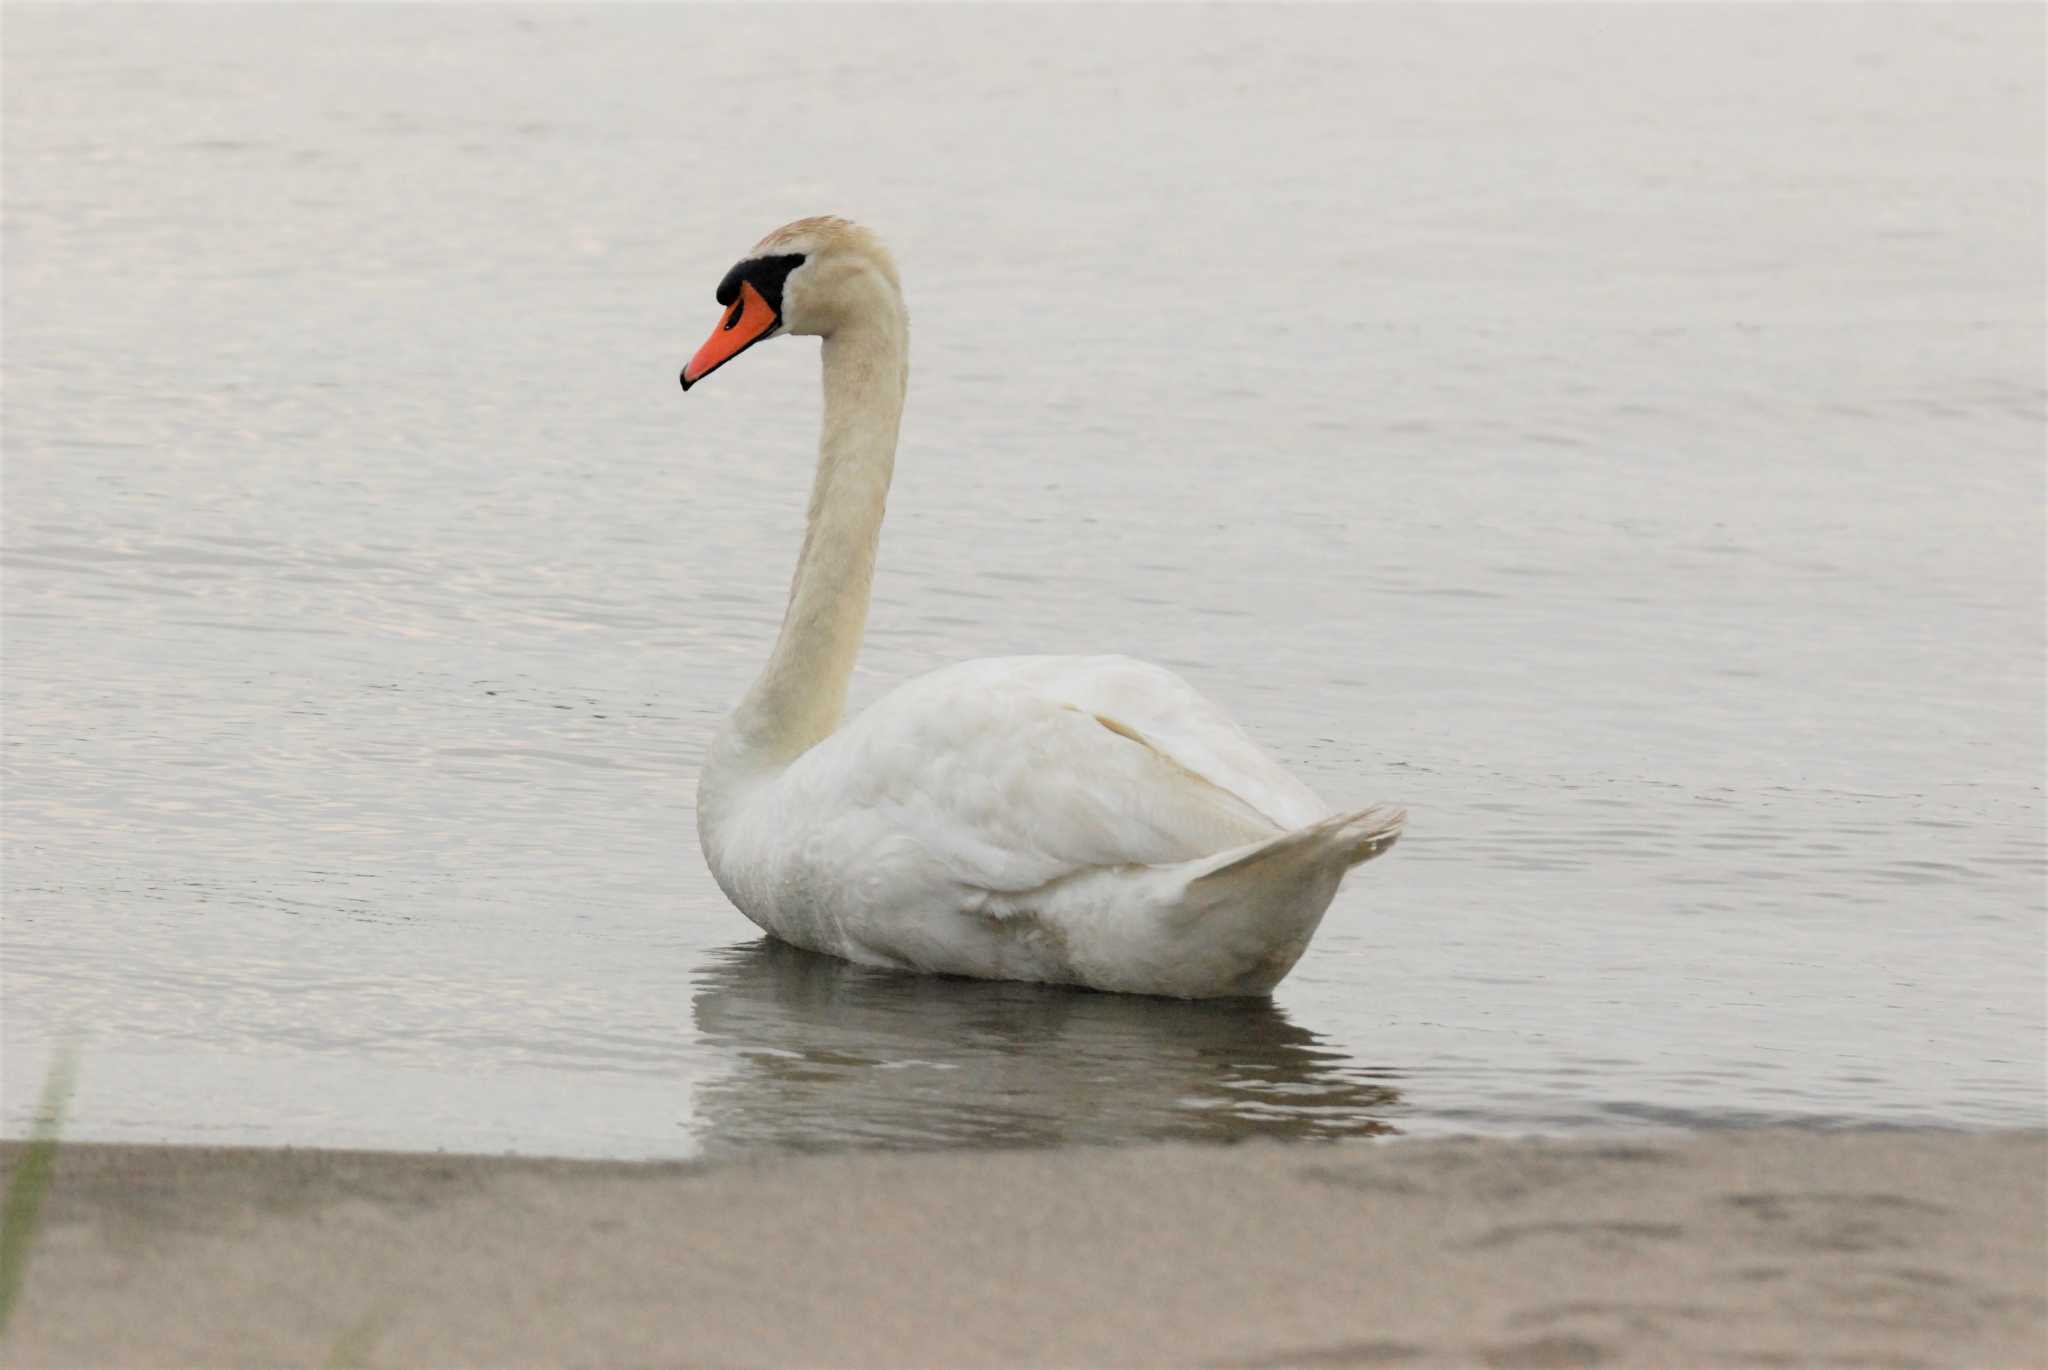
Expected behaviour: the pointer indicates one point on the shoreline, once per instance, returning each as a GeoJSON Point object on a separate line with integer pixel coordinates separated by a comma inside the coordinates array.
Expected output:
{"type": "Point", "coordinates": [1741, 1248]}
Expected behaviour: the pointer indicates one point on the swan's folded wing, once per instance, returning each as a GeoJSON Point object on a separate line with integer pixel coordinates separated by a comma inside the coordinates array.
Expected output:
{"type": "Point", "coordinates": [1006, 775]}
{"type": "Point", "coordinates": [1181, 723]}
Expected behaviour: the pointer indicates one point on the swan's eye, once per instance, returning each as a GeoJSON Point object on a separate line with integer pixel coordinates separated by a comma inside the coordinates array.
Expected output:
{"type": "Point", "coordinates": [739, 307]}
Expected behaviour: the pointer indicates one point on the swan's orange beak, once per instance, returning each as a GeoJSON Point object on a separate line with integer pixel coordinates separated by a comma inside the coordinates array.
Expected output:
{"type": "Point", "coordinates": [746, 323]}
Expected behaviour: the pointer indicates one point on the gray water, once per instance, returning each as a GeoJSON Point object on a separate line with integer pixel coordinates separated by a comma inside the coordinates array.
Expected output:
{"type": "Point", "coordinates": [1615, 434]}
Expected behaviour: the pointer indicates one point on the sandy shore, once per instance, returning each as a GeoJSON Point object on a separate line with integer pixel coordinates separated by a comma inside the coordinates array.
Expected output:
{"type": "Point", "coordinates": [1759, 1249]}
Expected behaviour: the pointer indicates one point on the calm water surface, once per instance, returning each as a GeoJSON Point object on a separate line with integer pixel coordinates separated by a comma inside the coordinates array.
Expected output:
{"type": "Point", "coordinates": [1615, 434]}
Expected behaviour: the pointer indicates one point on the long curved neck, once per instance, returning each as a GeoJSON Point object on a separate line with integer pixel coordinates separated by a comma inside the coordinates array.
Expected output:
{"type": "Point", "coordinates": [801, 694]}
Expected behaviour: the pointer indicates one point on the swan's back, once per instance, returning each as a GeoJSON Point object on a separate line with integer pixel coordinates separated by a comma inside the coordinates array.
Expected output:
{"type": "Point", "coordinates": [1000, 777]}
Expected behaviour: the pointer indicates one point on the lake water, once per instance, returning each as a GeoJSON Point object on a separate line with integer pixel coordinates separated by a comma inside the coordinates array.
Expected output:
{"type": "Point", "coordinates": [1615, 434]}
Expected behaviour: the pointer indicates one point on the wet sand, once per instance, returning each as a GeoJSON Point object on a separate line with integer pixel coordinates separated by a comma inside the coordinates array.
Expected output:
{"type": "Point", "coordinates": [1756, 1249]}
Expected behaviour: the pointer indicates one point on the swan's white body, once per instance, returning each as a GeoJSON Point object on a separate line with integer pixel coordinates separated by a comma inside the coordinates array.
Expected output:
{"type": "Point", "coordinates": [1085, 820]}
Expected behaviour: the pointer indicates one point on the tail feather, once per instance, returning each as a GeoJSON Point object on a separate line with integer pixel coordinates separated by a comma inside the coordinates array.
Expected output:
{"type": "Point", "coordinates": [1254, 911]}
{"type": "Point", "coordinates": [1347, 838]}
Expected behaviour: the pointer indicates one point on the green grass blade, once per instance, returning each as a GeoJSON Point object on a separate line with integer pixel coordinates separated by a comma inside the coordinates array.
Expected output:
{"type": "Point", "coordinates": [24, 1202]}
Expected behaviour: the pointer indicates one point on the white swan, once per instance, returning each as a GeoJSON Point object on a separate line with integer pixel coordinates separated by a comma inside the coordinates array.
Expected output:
{"type": "Point", "coordinates": [1080, 820]}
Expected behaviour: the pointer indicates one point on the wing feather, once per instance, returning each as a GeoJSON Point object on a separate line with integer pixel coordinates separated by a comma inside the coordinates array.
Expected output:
{"type": "Point", "coordinates": [1007, 774]}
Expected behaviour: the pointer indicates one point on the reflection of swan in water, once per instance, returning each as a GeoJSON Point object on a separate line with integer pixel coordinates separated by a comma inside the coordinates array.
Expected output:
{"type": "Point", "coordinates": [831, 1055]}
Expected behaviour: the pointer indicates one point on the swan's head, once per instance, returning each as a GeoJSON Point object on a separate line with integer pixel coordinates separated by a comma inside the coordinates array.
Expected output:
{"type": "Point", "coordinates": [814, 276]}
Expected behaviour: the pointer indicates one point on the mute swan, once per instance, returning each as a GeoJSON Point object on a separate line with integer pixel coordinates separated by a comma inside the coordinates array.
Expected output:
{"type": "Point", "coordinates": [1076, 820]}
